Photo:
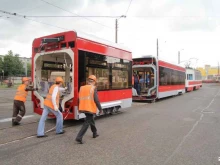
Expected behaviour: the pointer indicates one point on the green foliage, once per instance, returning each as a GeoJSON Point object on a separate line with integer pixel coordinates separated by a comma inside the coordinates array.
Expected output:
{"type": "Point", "coordinates": [29, 69]}
{"type": "Point", "coordinates": [12, 65]}
{"type": "Point", "coordinates": [1, 65]}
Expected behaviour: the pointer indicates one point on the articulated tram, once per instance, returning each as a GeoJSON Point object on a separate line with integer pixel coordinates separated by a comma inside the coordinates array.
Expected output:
{"type": "Point", "coordinates": [154, 79]}
{"type": "Point", "coordinates": [74, 56]}
{"type": "Point", "coordinates": [157, 79]}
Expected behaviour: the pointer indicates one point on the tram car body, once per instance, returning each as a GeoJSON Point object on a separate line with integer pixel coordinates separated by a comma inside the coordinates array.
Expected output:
{"type": "Point", "coordinates": [74, 56]}
{"type": "Point", "coordinates": [193, 79]}
{"type": "Point", "coordinates": [158, 79]}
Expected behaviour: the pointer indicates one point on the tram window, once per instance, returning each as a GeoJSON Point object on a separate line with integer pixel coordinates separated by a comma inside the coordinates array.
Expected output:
{"type": "Point", "coordinates": [119, 79]}
{"type": "Point", "coordinates": [189, 77]}
{"type": "Point", "coordinates": [171, 77]}
{"type": "Point", "coordinates": [102, 76]}
{"type": "Point", "coordinates": [111, 72]}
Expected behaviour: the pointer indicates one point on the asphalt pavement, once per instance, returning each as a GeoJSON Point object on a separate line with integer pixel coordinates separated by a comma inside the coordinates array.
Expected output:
{"type": "Point", "coordinates": [181, 130]}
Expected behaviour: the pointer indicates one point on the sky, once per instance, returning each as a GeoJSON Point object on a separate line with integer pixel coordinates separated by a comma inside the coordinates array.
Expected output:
{"type": "Point", "coordinates": [189, 27]}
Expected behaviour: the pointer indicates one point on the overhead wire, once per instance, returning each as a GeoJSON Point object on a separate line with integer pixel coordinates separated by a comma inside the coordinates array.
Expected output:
{"type": "Point", "coordinates": [128, 8]}
{"type": "Point", "coordinates": [76, 14]}
{"type": "Point", "coordinates": [23, 16]}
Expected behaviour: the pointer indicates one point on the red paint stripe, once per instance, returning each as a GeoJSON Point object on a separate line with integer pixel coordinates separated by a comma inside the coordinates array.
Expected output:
{"type": "Point", "coordinates": [95, 47]}
{"type": "Point", "coordinates": [189, 89]}
{"type": "Point", "coordinates": [194, 82]}
{"type": "Point", "coordinates": [171, 88]}
{"type": "Point", "coordinates": [114, 95]}
{"type": "Point", "coordinates": [171, 66]}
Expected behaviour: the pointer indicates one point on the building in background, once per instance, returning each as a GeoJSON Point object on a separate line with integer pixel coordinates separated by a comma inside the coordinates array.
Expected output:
{"type": "Point", "coordinates": [209, 72]}
{"type": "Point", "coordinates": [25, 60]}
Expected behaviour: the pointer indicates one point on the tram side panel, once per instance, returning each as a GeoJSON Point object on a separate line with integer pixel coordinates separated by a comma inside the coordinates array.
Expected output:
{"type": "Point", "coordinates": [171, 80]}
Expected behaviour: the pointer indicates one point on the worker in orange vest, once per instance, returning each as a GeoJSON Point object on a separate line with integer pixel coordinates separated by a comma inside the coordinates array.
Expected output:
{"type": "Point", "coordinates": [19, 100]}
{"type": "Point", "coordinates": [133, 80]}
{"type": "Point", "coordinates": [88, 104]}
{"type": "Point", "coordinates": [51, 104]}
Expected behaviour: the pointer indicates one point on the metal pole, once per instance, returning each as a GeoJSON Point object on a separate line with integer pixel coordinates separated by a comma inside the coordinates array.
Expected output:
{"type": "Point", "coordinates": [116, 30]}
{"type": "Point", "coordinates": [218, 68]}
{"type": "Point", "coordinates": [157, 49]}
{"type": "Point", "coordinates": [25, 67]}
{"type": "Point", "coordinates": [178, 57]}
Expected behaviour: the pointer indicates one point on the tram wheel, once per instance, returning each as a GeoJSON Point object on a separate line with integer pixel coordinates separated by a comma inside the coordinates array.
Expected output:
{"type": "Point", "coordinates": [115, 109]}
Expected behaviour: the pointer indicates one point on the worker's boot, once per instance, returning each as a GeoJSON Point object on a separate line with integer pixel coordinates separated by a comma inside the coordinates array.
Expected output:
{"type": "Point", "coordinates": [14, 123]}
{"type": "Point", "coordinates": [79, 141]}
{"type": "Point", "coordinates": [95, 135]}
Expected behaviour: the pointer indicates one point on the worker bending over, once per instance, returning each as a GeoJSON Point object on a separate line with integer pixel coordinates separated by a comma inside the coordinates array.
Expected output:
{"type": "Point", "coordinates": [51, 104]}
{"type": "Point", "coordinates": [19, 100]}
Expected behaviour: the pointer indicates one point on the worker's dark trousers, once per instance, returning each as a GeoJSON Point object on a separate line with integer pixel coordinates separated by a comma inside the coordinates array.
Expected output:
{"type": "Point", "coordinates": [88, 121]}
{"type": "Point", "coordinates": [18, 111]}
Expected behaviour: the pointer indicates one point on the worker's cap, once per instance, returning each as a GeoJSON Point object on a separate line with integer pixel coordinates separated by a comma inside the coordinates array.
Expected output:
{"type": "Point", "coordinates": [92, 77]}
{"type": "Point", "coordinates": [59, 79]}
{"type": "Point", "coordinates": [25, 79]}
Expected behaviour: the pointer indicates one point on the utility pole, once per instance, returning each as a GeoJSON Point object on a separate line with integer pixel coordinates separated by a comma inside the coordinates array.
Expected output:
{"type": "Point", "coordinates": [3, 74]}
{"type": "Point", "coordinates": [116, 30]}
{"type": "Point", "coordinates": [116, 27]}
{"type": "Point", "coordinates": [178, 57]}
{"type": "Point", "coordinates": [25, 67]}
{"type": "Point", "coordinates": [157, 49]}
{"type": "Point", "coordinates": [218, 68]}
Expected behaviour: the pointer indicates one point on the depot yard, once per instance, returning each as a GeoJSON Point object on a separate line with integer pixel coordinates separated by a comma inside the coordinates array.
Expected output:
{"type": "Point", "coordinates": [178, 130]}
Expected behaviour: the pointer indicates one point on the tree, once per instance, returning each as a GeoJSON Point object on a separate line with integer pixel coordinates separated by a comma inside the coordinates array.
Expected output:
{"type": "Point", "coordinates": [1, 68]}
{"type": "Point", "coordinates": [29, 69]}
{"type": "Point", "coordinates": [12, 65]}
{"type": "Point", "coordinates": [1, 65]}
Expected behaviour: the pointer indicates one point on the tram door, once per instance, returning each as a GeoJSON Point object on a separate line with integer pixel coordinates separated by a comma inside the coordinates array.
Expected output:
{"type": "Point", "coordinates": [81, 69]}
{"type": "Point", "coordinates": [146, 80]}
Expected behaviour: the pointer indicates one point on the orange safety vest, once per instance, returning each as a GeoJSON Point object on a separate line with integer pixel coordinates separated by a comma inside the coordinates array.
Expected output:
{"type": "Point", "coordinates": [21, 94]}
{"type": "Point", "coordinates": [86, 99]}
{"type": "Point", "coordinates": [48, 101]}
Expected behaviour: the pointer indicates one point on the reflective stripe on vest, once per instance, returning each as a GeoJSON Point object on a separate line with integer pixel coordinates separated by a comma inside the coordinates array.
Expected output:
{"type": "Point", "coordinates": [21, 94]}
{"type": "Point", "coordinates": [86, 99]}
{"type": "Point", "coordinates": [48, 100]}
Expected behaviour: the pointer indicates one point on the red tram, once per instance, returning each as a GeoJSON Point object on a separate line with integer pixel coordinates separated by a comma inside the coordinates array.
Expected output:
{"type": "Point", "coordinates": [157, 79]}
{"type": "Point", "coordinates": [74, 57]}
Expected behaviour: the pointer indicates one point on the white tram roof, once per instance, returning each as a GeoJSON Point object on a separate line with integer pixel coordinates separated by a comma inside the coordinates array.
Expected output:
{"type": "Point", "coordinates": [101, 40]}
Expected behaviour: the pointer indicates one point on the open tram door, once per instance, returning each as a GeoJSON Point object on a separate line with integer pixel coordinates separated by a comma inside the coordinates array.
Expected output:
{"type": "Point", "coordinates": [47, 65]}
{"type": "Point", "coordinates": [145, 79]}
